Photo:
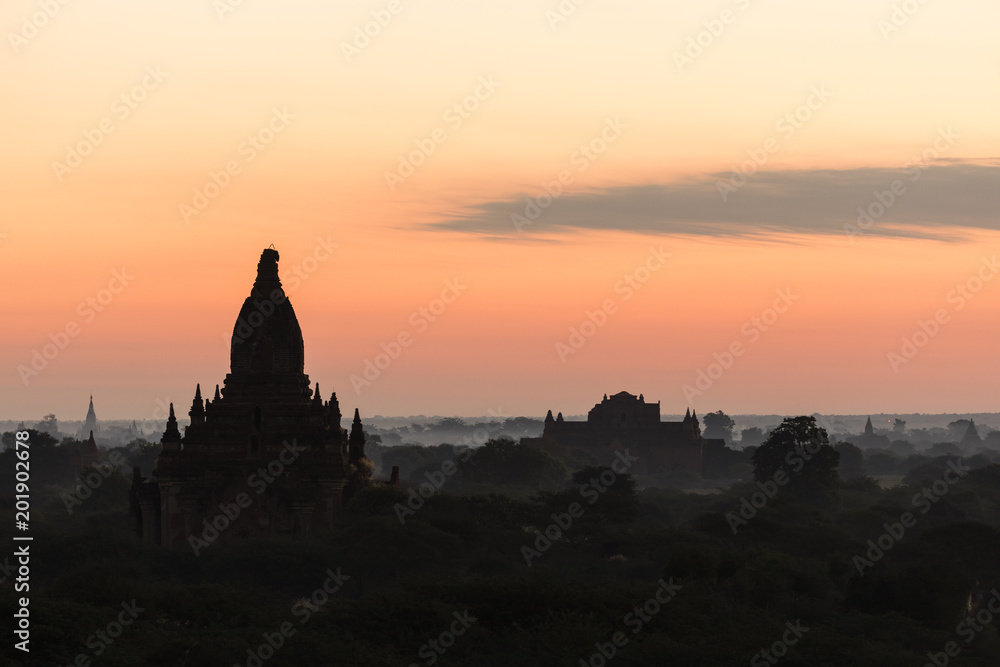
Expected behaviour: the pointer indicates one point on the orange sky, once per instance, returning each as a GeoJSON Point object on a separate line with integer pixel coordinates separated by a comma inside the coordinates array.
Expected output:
{"type": "Point", "coordinates": [162, 97]}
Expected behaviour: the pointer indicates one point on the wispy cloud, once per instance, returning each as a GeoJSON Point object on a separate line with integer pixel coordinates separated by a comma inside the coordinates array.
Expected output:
{"type": "Point", "coordinates": [939, 203]}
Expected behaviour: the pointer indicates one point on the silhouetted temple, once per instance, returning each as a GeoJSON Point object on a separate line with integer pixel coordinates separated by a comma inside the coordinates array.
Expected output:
{"type": "Point", "coordinates": [625, 421]}
{"type": "Point", "coordinates": [90, 423]}
{"type": "Point", "coordinates": [870, 439]}
{"type": "Point", "coordinates": [971, 437]}
{"type": "Point", "coordinates": [264, 436]}
{"type": "Point", "coordinates": [85, 454]}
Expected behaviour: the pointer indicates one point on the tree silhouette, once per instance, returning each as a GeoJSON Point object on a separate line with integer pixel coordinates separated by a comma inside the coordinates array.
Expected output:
{"type": "Point", "coordinates": [719, 425]}
{"type": "Point", "coordinates": [800, 450]}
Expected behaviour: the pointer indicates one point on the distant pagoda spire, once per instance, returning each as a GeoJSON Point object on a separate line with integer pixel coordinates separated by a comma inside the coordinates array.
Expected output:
{"type": "Point", "coordinates": [217, 395]}
{"type": "Point", "coordinates": [356, 441]}
{"type": "Point", "coordinates": [971, 436]}
{"type": "Point", "coordinates": [333, 414]}
{"type": "Point", "coordinates": [317, 397]}
{"type": "Point", "coordinates": [197, 412]}
{"type": "Point", "coordinates": [90, 454]}
{"type": "Point", "coordinates": [869, 429]}
{"type": "Point", "coordinates": [172, 435]}
{"type": "Point", "coordinates": [90, 423]}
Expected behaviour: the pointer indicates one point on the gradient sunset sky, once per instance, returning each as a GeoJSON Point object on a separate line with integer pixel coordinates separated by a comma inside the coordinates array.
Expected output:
{"type": "Point", "coordinates": [895, 97]}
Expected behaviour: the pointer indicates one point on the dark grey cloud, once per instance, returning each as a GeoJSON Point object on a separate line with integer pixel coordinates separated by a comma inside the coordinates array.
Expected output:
{"type": "Point", "coordinates": [937, 202]}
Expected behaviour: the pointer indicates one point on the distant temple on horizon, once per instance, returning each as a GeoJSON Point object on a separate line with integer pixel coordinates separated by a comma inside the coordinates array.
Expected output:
{"type": "Point", "coordinates": [625, 421]}
{"type": "Point", "coordinates": [90, 423]}
{"type": "Point", "coordinates": [870, 439]}
{"type": "Point", "coordinates": [265, 436]}
{"type": "Point", "coordinates": [971, 437]}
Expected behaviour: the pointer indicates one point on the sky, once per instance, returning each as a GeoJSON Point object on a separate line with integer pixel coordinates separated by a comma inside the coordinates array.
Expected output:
{"type": "Point", "coordinates": [758, 206]}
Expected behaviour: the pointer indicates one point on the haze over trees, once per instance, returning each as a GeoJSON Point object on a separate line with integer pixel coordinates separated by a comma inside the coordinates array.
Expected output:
{"type": "Point", "coordinates": [813, 551]}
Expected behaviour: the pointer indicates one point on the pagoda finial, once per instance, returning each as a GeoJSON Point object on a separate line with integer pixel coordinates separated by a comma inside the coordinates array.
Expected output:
{"type": "Point", "coordinates": [197, 412]}
{"type": "Point", "coordinates": [333, 415]}
{"type": "Point", "coordinates": [217, 396]}
{"type": "Point", "coordinates": [171, 434]}
{"type": "Point", "coordinates": [356, 441]}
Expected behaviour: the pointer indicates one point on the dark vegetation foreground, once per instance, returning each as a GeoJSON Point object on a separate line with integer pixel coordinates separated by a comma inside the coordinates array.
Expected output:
{"type": "Point", "coordinates": [449, 584]}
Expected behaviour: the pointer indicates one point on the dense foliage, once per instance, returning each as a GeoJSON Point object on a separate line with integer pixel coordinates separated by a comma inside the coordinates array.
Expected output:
{"type": "Point", "coordinates": [462, 551]}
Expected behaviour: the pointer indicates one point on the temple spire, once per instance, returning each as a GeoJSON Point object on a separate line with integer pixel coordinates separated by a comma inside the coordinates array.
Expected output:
{"type": "Point", "coordinates": [869, 429]}
{"type": "Point", "coordinates": [90, 423]}
{"type": "Point", "coordinates": [971, 436]}
{"type": "Point", "coordinates": [356, 442]}
{"type": "Point", "coordinates": [90, 454]}
{"type": "Point", "coordinates": [217, 396]}
{"type": "Point", "coordinates": [197, 412]}
{"type": "Point", "coordinates": [172, 434]}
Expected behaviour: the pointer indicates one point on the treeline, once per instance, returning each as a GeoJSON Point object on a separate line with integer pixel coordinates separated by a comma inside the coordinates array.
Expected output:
{"type": "Point", "coordinates": [591, 565]}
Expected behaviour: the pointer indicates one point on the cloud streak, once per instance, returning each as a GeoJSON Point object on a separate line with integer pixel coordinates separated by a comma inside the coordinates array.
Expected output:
{"type": "Point", "coordinates": [940, 202]}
